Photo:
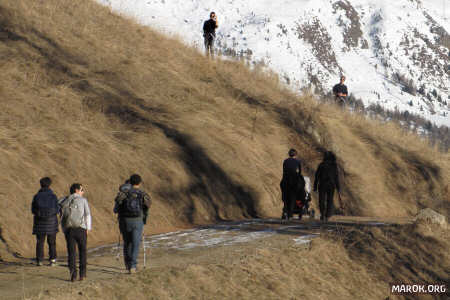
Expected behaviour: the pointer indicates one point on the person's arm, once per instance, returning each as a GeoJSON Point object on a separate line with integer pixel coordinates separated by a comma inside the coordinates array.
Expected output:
{"type": "Point", "coordinates": [336, 179]}
{"type": "Point", "coordinates": [121, 196]}
{"type": "Point", "coordinates": [345, 93]}
{"type": "Point", "coordinates": [335, 92]}
{"type": "Point", "coordinates": [146, 206]}
{"type": "Point", "coordinates": [217, 22]}
{"type": "Point", "coordinates": [87, 215]}
{"type": "Point", "coordinates": [33, 206]}
{"type": "Point", "coordinates": [316, 178]}
{"type": "Point", "coordinates": [204, 28]}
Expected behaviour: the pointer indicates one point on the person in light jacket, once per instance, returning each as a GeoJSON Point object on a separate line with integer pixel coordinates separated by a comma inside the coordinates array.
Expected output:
{"type": "Point", "coordinates": [76, 223]}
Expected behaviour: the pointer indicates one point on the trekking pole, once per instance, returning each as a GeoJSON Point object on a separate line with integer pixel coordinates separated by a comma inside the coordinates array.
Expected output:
{"type": "Point", "coordinates": [340, 201]}
{"type": "Point", "coordinates": [143, 244]}
{"type": "Point", "coordinates": [118, 245]}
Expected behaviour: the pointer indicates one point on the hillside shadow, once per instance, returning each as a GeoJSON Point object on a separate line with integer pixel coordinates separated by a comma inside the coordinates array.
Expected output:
{"type": "Point", "coordinates": [209, 182]}
{"type": "Point", "coordinates": [398, 255]}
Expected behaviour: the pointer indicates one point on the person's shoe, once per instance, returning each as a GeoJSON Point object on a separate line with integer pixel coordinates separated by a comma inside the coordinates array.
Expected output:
{"type": "Point", "coordinates": [82, 278]}
{"type": "Point", "coordinates": [39, 263]}
{"type": "Point", "coordinates": [132, 271]}
{"type": "Point", "coordinates": [73, 277]}
{"type": "Point", "coordinates": [53, 263]}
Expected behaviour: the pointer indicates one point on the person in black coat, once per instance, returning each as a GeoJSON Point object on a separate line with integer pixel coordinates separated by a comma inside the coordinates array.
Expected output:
{"type": "Point", "coordinates": [209, 33]}
{"type": "Point", "coordinates": [290, 183]}
{"type": "Point", "coordinates": [326, 179]}
{"type": "Point", "coordinates": [340, 92]}
{"type": "Point", "coordinates": [45, 224]}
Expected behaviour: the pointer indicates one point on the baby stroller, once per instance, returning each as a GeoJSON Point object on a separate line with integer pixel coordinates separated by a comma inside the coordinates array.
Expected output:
{"type": "Point", "coordinates": [302, 204]}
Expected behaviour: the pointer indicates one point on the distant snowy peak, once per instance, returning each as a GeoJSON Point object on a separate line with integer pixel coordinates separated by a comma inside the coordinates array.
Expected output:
{"type": "Point", "coordinates": [393, 53]}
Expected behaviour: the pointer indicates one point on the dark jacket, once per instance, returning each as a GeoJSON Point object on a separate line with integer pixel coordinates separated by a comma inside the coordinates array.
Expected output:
{"type": "Point", "coordinates": [326, 176]}
{"type": "Point", "coordinates": [292, 170]}
{"type": "Point", "coordinates": [45, 210]}
{"type": "Point", "coordinates": [122, 196]}
{"type": "Point", "coordinates": [340, 88]}
{"type": "Point", "coordinates": [209, 27]}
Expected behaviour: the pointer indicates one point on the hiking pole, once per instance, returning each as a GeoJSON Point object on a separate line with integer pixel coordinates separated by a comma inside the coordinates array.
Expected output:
{"type": "Point", "coordinates": [118, 244]}
{"type": "Point", "coordinates": [143, 244]}
{"type": "Point", "coordinates": [340, 201]}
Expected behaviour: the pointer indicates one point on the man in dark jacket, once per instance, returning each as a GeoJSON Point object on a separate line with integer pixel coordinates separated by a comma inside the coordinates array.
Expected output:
{"type": "Point", "coordinates": [340, 92]}
{"type": "Point", "coordinates": [45, 224]}
{"type": "Point", "coordinates": [209, 33]}
{"type": "Point", "coordinates": [291, 183]}
{"type": "Point", "coordinates": [326, 179]}
{"type": "Point", "coordinates": [132, 205]}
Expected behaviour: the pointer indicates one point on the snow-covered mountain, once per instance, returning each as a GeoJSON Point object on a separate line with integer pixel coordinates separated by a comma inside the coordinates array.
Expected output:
{"type": "Point", "coordinates": [395, 53]}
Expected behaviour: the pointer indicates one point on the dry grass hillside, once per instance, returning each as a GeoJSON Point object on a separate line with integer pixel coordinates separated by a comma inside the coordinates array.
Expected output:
{"type": "Point", "coordinates": [88, 96]}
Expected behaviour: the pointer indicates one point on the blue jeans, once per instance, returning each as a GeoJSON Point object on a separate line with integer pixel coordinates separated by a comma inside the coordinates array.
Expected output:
{"type": "Point", "coordinates": [131, 229]}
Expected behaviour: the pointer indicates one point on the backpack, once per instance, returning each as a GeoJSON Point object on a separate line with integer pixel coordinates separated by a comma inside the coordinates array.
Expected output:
{"type": "Point", "coordinates": [132, 205]}
{"type": "Point", "coordinates": [72, 213]}
{"type": "Point", "coordinates": [43, 205]}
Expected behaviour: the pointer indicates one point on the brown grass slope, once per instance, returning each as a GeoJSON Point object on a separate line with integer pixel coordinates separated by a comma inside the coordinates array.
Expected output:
{"type": "Point", "coordinates": [90, 96]}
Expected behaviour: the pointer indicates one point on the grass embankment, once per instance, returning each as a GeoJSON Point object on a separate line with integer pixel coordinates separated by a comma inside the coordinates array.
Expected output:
{"type": "Point", "coordinates": [349, 263]}
{"type": "Point", "coordinates": [91, 97]}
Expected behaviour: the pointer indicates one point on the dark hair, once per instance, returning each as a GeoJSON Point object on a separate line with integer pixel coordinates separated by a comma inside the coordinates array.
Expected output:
{"type": "Point", "coordinates": [45, 182]}
{"type": "Point", "coordinates": [292, 152]}
{"type": "Point", "coordinates": [74, 187]}
{"type": "Point", "coordinates": [135, 179]}
{"type": "Point", "coordinates": [212, 13]}
{"type": "Point", "coordinates": [127, 181]}
{"type": "Point", "coordinates": [329, 156]}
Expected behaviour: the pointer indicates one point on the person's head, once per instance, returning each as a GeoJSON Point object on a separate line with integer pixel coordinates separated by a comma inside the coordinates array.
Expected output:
{"type": "Point", "coordinates": [342, 78]}
{"type": "Point", "coordinates": [135, 180]}
{"type": "Point", "coordinates": [77, 188]}
{"type": "Point", "coordinates": [212, 15]}
{"type": "Point", "coordinates": [292, 153]}
{"type": "Point", "coordinates": [45, 182]}
{"type": "Point", "coordinates": [329, 156]}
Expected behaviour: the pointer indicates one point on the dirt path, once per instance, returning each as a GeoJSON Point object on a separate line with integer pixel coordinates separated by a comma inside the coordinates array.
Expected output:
{"type": "Point", "coordinates": [22, 279]}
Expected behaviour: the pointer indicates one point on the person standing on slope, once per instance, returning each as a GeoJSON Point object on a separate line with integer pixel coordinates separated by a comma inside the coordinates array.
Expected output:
{"type": "Point", "coordinates": [45, 222]}
{"type": "Point", "coordinates": [132, 205]}
{"type": "Point", "coordinates": [209, 33]}
{"type": "Point", "coordinates": [291, 183]}
{"type": "Point", "coordinates": [76, 222]}
{"type": "Point", "coordinates": [340, 92]}
{"type": "Point", "coordinates": [326, 179]}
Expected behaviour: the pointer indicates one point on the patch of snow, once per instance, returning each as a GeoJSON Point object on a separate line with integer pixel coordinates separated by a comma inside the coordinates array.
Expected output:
{"type": "Point", "coordinates": [270, 30]}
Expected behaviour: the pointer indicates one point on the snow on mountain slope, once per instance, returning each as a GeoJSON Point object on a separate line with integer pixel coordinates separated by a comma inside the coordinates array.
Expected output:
{"type": "Point", "coordinates": [395, 53]}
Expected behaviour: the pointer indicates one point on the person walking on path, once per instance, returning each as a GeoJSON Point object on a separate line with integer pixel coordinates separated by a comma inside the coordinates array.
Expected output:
{"type": "Point", "coordinates": [209, 33]}
{"type": "Point", "coordinates": [340, 92]}
{"type": "Point", "coordinates": [291, 183]}
{"type": "Point", "coordinates": [326, 180]}
{"type": "Point", "coordinates": [76, 221]}
{"type": "Point", "coordinates": [45, 222]}
{"type": "Point", "coordinates": [132, 205]}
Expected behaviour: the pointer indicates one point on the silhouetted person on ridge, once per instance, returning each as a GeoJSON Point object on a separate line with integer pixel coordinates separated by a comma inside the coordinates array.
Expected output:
{"type": "Point", "coordinates": [326, 179]}
{"type": "Point", "coordinates": [291, 183]}
{"type": "Point", "coordinates": [340, 92]}
{"type": "Point", "coordinates": [209, 33]}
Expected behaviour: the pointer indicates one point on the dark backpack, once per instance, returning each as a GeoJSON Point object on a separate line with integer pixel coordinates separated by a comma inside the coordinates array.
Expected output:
{"type": "Point", "coordinates": [132, 205]}
{"type": "Point", "coordinates": [44, 208]}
